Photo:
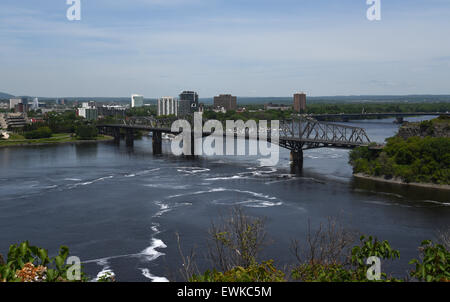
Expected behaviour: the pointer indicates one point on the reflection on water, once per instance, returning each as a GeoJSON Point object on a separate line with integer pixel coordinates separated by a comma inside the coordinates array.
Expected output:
{"type": "Point", "coordinates": [88, 150]}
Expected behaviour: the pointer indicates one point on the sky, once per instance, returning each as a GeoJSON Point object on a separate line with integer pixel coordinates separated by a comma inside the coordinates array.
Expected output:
{"type": "Point", "coordinates": [243, 47]}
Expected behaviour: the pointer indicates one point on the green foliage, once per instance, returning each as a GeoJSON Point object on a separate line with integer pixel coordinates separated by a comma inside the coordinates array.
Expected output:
{"type": "Point", "coordinates": [86, 132]}
{"type": "Point", "coordinates": [355, 271]}
{"type": "Point", "coordinates": [264, 272]}
{"type": "Point", "coordinates": [371, 247]}
{"type": "Point", "coordinates": [377, 107]}
{"type": "Point", "coordinates": [20, 255]}
{"type": "Point", "coordinates": [413, 160]}
{"type": "Point", "coordinates": [42, 132]}
{"type": "Point", "coordinates": [142, 111]}
{"type": "Point", "coordinates": [65, 122]}
{"type": "Point", "coordinates": [435, 265]}
{"type": "Point", "coordinates": [309, 272]}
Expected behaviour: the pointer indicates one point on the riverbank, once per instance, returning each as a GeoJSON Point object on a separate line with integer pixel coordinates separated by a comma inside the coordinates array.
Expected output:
{"type": "Point", "coordinates": [398, 181]}
{"type": "Point", "coordinates": [57, 139]}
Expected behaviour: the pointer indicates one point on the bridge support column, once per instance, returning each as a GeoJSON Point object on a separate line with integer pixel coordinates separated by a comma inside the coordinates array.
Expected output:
{"type": "Point", "coordinates": [129, 137]}
{"type": "Point", "coordinates": [157, 142]}
{"type": "Point", "coordinates": [297, 159]}
{"type": "Point", "coordinates": [116, 134]}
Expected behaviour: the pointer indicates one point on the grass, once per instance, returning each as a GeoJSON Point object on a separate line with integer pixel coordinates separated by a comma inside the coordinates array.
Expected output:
{"type": "Point", "coordinates": [19, 140]}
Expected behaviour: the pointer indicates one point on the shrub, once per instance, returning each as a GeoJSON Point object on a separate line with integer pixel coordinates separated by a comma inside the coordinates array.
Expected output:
{"type": "Point", "coordinates": [264, 272]}
{"type": "Point", "coordinates": [435, 263]}
{"type": "Point", "coordinates": [32, 264]}
{"type": "Point", "coordinates": [86, 132]}
{"type": "Point", "coordinates": [237, 241]}
{"type": "Point", "coordinates": [355, 271]}
{"type": "Point", "coordinates": [43, 132]}
{"type": "Point", "coordinates": [322, 273]}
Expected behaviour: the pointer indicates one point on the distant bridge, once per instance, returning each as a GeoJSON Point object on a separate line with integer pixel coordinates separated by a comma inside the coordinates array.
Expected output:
{"type": "Point", "coordinates": [295, 135]}
{"type": "Point", "coordinates": [353, 116]}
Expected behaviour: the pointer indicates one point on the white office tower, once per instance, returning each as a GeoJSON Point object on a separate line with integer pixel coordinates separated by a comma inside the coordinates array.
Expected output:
{"type": "Point", "coordinates": [167, 106]}
{"type": "Point", "coordinates": [35, 105]}
{"type": "Point", "coordinates": [137, 101]}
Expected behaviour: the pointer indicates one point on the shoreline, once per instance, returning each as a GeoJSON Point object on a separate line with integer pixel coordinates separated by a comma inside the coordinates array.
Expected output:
{"type": "Point", "coordinates": [402, 183]}
{"type": "Point", "coordinates": [74, 142]}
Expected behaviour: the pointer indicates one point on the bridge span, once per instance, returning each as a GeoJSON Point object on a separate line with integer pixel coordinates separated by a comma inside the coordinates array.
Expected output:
{"type": "Point", "coordinates": [353, 116]}
{"type": "Point", "coordinates": [296, 135]}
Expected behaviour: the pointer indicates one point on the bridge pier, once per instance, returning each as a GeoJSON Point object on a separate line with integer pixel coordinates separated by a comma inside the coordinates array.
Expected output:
{"type": "Point", "coordinates": [297, 158]}
{"type": "Point", "coordinates": [116, 135]}
{"type": "Point", "coordinates": [129, 137]}
{"type": "Point", "coordinates": [157, 142]}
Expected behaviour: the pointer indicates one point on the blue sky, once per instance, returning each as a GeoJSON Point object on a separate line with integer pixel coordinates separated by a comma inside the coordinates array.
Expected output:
{"type": "Point", "coordinates": [246, 47]}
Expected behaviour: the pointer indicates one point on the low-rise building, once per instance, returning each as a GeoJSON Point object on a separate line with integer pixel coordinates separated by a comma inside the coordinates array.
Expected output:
{"type": "Point", "coordinates": [112, 110]}
{"type": "Point", "coordinates": [13, 120]}
{"type": "Point", "coordinates": [3, 124]}
{"type": "Point", "coordinates": [281, 107]}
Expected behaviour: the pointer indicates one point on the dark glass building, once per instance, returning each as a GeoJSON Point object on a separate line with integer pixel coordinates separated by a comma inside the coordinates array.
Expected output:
{"type": "Point", "coordinates": [188, 103]}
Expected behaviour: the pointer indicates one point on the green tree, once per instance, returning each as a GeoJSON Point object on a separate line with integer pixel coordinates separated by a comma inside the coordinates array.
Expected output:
{"type": "Point", "coordinates": [86, 132]}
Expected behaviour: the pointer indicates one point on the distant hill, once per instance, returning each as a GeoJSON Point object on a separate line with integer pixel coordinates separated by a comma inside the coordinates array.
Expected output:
{"type": "Point", "coordinates": [5, 95]}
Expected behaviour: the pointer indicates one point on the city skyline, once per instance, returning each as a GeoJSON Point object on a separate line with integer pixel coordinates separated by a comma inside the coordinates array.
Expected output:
{"type": "Point", "coordinates": [249, 48]}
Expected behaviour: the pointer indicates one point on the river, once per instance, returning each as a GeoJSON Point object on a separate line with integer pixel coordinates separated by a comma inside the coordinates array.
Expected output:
{"type": "Point", "coordinates": [118, 209]}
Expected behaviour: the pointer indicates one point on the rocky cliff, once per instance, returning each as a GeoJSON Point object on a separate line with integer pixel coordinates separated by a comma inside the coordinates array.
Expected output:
{"type": "Point", "coordinates": [439, 127]}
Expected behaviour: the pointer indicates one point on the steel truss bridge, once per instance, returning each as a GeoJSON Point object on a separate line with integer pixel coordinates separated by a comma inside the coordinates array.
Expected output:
{"type": "Point", "coordinates": [296, 134]}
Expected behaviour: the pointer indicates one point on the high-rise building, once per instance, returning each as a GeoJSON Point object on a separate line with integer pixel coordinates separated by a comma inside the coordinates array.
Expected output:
{"type": "Point", "coordinates": [167, 106]}
{"type": "Point", "coordinates": [14, 102]}
{"type": "Point", "coordinates": [300, 102]}
{"type": "Point", "coordinates": [226, 101]}
{"type": "Point", "coordinates": [88, 111]}
{"type": "Point", "coordinates": [188, 103]}
{"type": "Point", "coordinates": [137, 101]}
{"type": "Point", "coordinates": [19, 104]}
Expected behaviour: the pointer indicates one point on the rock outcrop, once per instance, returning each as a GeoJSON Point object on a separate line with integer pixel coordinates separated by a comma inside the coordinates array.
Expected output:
{"type": "Point", "coordinates": [436, 128]}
